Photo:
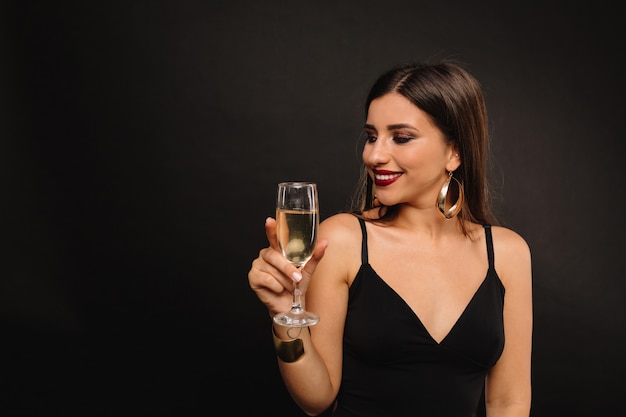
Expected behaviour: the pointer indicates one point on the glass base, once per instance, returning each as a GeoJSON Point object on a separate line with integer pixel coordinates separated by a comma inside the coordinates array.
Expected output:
{"type": "Point", "coordinates": [296, 318]}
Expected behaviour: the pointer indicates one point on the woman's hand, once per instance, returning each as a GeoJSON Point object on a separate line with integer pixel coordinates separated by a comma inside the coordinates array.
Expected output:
{"type": "Point", "coordinates": [271, 276]}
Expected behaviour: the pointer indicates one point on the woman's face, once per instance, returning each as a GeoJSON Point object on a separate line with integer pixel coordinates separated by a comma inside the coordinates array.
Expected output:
{"type": "Point", "coordinates": [405, 153]}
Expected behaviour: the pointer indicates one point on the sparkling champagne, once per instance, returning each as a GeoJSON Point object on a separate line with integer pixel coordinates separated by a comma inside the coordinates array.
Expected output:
{"type": "Point", "coordinates": [297, 234]}
{"type": "Point", "coordinates": [297, 220]}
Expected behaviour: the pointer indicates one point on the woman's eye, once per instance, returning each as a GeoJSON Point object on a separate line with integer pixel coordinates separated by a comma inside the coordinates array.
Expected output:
{"type": "Point", "coordinates": [370, 138]}
{"type": "Point", "coordinates": [402, 138]}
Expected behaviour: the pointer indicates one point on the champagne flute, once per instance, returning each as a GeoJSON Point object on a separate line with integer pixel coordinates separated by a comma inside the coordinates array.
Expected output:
{"type": "Point", "coordinates": [297, 221]}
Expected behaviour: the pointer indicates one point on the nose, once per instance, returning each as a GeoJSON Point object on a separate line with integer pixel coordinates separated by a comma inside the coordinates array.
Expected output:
{"type": "Point", "coordinates": [376, 153]}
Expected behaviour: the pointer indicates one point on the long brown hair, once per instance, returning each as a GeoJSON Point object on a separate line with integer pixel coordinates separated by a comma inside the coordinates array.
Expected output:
{"type": "Point", "coordinates": [454, 100]}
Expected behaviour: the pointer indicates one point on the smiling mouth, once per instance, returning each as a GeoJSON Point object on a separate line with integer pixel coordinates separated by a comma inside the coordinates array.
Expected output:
{"type": "Point", "coordinates": [382, 180]}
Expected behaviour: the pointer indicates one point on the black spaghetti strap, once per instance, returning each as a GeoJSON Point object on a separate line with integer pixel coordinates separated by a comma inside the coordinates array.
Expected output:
{"type": "Point", "coordinates": [489, 245]}
{"type": "Point", "coordinates": [364, 259]}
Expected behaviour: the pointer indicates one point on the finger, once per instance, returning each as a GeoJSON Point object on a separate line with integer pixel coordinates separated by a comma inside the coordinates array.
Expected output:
{"type": "Point", "coordinates": [271, 286]}
{"type": "Point", "coordinates": [264, 276]}
{"type": "Point", "coordinates": [271, 293]}
{"type": "Point", "coordinates": [282, 270]}
{"type": "Point", "coordinates": [277, 259]}
{"type": "Point", "coordinates": [270, 232]}
{"type": "Point", "coordinates": [318, 254]}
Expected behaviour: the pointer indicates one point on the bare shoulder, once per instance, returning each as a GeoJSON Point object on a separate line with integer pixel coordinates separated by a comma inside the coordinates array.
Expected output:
{"type": "Point", "coordinates": [511, 255]}
{"type": "Point", "coordinates": [339, 227]}
{"type": "Point", "coordinates": [508, 242]}
{"type": "Point", "coordinates": [343, 253]}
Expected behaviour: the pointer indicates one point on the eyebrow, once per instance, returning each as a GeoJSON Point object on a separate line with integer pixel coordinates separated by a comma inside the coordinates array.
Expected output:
{"type": "Point", "coordinates": [393, 127]}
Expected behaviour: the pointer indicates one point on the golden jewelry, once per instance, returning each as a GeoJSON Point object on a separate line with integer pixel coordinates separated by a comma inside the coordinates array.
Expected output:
{"type": "Point", "coordinates": [288, 350]}
{"type": "Point", "coordinates": [441, 199]}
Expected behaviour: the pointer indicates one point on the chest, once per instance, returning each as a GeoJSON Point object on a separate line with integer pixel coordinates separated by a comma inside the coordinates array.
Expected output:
{"type": "Point", "coordinates": [437, 282]}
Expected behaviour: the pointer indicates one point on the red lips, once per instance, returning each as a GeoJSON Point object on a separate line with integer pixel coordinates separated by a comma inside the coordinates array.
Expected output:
{"type": "Point", "coordinates": [384, 178]}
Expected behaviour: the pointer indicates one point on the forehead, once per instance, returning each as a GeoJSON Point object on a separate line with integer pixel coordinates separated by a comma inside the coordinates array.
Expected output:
{"type": "Point", "coordinates": [394, 108]}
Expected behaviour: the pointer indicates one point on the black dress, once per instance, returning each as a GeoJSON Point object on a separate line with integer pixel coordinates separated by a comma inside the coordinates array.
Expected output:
{"type": "Point", "coordinates": [393, 367]}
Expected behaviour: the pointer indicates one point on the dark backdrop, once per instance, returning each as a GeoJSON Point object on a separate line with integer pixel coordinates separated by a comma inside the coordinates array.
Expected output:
{"type": "Point", "coordinates": [141, 145]}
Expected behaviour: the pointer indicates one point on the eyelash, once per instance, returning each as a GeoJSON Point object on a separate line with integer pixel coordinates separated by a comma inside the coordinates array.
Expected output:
{"type": "Point", "coordinates": [400, 139]}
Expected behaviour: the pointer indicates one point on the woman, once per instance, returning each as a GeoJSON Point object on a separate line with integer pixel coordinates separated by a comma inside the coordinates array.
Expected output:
{"type": "Point", "coordinates": [425, 304]}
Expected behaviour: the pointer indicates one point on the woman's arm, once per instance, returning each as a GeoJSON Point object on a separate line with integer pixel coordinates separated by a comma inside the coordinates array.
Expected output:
{"type": "Point", "coordinates": [314, 385]}
{"type": "Point", "coordinates": [313, 379]}
{"type": "Point", "coordinates": [508, 388]}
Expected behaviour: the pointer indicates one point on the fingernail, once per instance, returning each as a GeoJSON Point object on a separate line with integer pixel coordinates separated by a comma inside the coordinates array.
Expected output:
{"type": "Point", "coordinates": [297, 276]}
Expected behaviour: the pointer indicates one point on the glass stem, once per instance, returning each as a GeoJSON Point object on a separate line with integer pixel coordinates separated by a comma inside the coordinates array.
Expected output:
{"type": "Point", "coordinates": [296, 298]}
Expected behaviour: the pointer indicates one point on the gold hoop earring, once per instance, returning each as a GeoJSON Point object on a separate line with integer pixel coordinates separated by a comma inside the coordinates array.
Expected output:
{"type": "Point", "coordinates": [375, 202]}
{"type": "Point", "coordinates": [443, 194]}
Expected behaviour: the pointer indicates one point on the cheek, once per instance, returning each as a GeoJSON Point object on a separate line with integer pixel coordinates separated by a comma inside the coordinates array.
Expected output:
{"type": "Point", "coordinates": [412, 159]}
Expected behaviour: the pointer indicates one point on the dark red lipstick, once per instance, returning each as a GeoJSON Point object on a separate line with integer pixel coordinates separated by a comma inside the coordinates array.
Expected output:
{"type": "Point", "coordinates": [383, 178]}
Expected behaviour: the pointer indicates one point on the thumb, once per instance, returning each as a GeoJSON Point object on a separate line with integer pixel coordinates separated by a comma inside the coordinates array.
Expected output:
{"type": "Point", "coordinates": [318, 254]}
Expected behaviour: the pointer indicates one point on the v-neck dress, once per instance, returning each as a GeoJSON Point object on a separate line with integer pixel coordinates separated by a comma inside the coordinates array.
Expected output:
{"type": "Point", "coordinates": [393, 367]}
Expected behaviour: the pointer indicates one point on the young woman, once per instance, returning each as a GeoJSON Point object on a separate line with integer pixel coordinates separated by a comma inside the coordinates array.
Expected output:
{"type": "Point", "coordinates": [425, 304]}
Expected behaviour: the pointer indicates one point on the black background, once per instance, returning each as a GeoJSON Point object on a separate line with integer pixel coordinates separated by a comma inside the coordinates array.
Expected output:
{"type": "Point", "coordinates": [141, 145]}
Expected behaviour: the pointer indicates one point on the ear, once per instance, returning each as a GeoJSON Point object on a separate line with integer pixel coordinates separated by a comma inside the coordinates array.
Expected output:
{"type": "Point", "coordinates": [454, 158]}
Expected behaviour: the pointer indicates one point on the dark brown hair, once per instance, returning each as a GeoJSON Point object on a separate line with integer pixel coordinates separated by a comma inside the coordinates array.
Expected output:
{"type": "Point", "coordinates": [454, 100]}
